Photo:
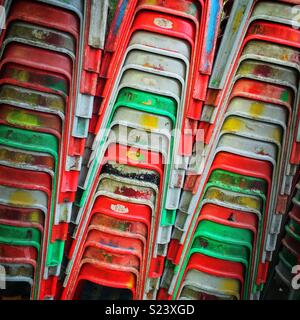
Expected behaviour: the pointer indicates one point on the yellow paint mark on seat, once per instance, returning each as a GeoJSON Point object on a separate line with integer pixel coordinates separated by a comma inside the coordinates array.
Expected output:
{"type": "Point", "coordinates": [149, 121]}
{"type": "Point", "coordinates": [256, 109]}
{"type": "Point", "coordinates": [233, 124]}
{"type": "Point", "coordinates": [22, 197]}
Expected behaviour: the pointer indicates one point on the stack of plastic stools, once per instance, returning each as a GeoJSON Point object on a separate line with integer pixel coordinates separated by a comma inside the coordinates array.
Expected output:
{"type": "Point", "coordinates": [131, 173]}
{"type": "Point", "coordinates": [244, 171]}
{"type": "Point", "coordinates": [41, 64]}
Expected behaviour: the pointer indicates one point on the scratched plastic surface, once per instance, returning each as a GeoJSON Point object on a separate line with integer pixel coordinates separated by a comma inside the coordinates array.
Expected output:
{"type": "Point", "coordinates": [24, 198]}
{"type": "Point", "coordinates": [22, 270]}
{"type": "Point", "coordinates": [143, 120]}
{"type": "Point", "coordinates": [20, 236]}
{"type": "Point", "coordinates": [38, 78]}
{"type": "Point", "coordinates": [140, 139]}
{"type": "Point", "coordinates": [230, 217]}
{"type": "Point", "coordinates": [219, 250]}
{"type": "Point", "coordinates": [214, 285]}
{"type": "Point", "coordinates": [268, 72]}
{"type": "Point", "coordinates": [241, 202]}
{"type": "Point", "coordinates": [238, 182]}
{"type": "Point", "coordinates": [111, 259]}
{"type": "Point", "coordinates": [131, 172]}
{"type": "Point", "coordinates": [276, 11]}
{"type": "Point", "coordinates": [29, 140]}
{"type": "Point", "coordinates": [41, 37]}
{"type": "Point", "coordinates": [194, 293]}
{"type": "Point", "coordinates": [171, 25]}
{"type": "Point", "coordinates": [159, 64]}
{"type": "Point", "coordinates": [216, 267]}
{"type": "Point", "coordinates": [258, 110]}
{"type": "Point", "coordinates": [162, 42]}
{"type": "Point", "coordinates": [151, 82]}
{"type": "Point", "coordinates": [253, 129]}
{"type": "Point", "coordinates": [283, 55]}
{"type": "Point", "coordinates": [248, 147]}
{"type": "Point", "coordinates": [277, 33]}
{"type": "Point", "coordinates": [32, 99]}
{"type": "Point", "coordinates": [44, 15]}
{"type": "Point", "coordinates": [180, 7]}
{"type": "Point", "coordinates": [133, 229]}
{"type": "Point", "coordinates": [263, 91]}
{"type": "Point", "coordinates": [26, 160]}
{"type": "Point", "coordinates": [225, 234]}
{"type": "Point", "coordinates": [147, 102]}
{"type": "Point", "coordinates": [107, 277]}
{"type": "Point", "coordinates": [114, 243]}
{"type": "Point", "coordinates": [29, 216]}
{"type": "Point", "coordinates": [130, 191]}
{"type": "Point", "coordinates": [49, 61]}
{"type": "Point", "coordinates": [30, 119]}
{"type": "Point", "coordinates": [116, 208]}
{"type": "Point", "coordinates": [9, 252]}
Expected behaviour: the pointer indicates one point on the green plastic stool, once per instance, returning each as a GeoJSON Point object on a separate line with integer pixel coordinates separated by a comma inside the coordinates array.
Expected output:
{"type": "Point", "coordinates": [19, 236]}
{"type": "Point", "coordinates": [38, 142]}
